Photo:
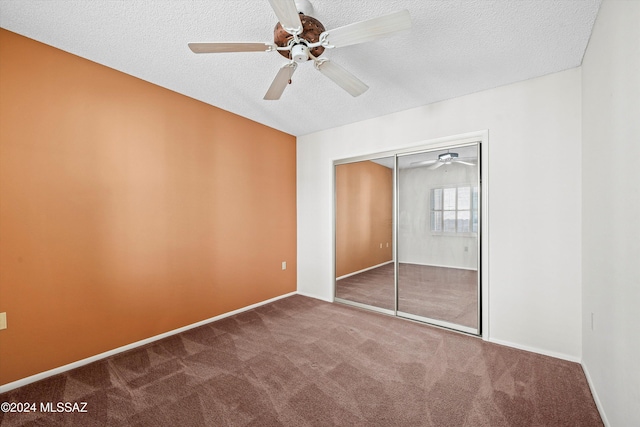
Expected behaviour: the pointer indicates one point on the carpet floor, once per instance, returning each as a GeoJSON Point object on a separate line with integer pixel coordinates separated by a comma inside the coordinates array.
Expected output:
{"type": "Point", "coordinates": [304, 362]}
{"type": "Point", "coordinates": [448, 294]}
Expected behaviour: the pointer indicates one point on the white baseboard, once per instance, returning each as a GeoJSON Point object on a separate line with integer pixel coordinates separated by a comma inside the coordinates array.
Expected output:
{"type": "Point", "coordinates": [413, 263]}
{"type": "Point", "coordinates": [305, 294]}
{"type": "Point", "coordinates": [363, 270]}
{"type": "Point", "coordinates": [557, 355]}
{"type": "Point", "coordinates": [595, 396]}
{"type": "Point", "coordinates": [454, 267]}
{"type": "Point", "coordinates": [42, 375]}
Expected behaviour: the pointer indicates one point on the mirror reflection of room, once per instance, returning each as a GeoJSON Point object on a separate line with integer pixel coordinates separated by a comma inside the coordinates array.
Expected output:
{"type": "Point", "coordinates": [438, 200]}
{"type": "Point", "coordinates": [437, 277]}
{"type": "Point", "coordinates": [364, 233]}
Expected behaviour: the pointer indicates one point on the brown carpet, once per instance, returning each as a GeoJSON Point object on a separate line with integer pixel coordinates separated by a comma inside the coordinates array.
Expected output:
{"type": "Point", "coordinates": [373, 287]}
{"type": "Point", "coordinates": [304, 362]}
{"type": "Point", "coordinates": [439, 293]}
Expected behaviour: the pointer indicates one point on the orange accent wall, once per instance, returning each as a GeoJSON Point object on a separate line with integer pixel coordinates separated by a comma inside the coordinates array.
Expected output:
{"type": "Point", "coordinates": [128, 210]}
{"type": "Point", "coordinates": [364, 216]}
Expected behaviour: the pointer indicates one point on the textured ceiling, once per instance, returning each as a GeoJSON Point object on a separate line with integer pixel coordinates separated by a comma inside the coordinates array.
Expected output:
{"type": "Point", "coordinates": [454, 48]}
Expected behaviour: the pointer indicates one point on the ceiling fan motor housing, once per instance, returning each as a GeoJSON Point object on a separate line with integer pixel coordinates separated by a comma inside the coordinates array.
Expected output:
{"type": "Point", "coordinates": [448, 156]}
{"type": "Point", "coordinates": [311, 30]}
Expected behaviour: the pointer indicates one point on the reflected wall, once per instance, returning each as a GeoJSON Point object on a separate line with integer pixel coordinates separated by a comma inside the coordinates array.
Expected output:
{"type": "Point", "coordinates": [364, 233]}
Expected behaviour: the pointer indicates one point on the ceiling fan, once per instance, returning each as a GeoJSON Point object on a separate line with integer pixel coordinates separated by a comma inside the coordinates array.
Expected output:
{"type": "Point", "coordinates": [445, 159]}
{"type": "Point", "coordinates": [300, 38]}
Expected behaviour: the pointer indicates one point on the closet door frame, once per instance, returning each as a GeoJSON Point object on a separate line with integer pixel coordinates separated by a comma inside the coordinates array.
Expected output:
{"type": "Point", "coordinates": [482, 139]}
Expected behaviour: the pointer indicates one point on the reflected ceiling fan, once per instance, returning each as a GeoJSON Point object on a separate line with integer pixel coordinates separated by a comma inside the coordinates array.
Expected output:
{"type": "Point", "coordinates": [445, 159]}
{"type": "Point", "coordinates": [300, 38]}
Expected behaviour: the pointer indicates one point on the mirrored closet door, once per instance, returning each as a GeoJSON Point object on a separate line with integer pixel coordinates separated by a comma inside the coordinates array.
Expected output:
{"type": "Point", "coordinates": [407, 229]}
{"type": "Point", "coordinates": [365, 272]}
{"type": "Point", "coordinates": [438, 245]}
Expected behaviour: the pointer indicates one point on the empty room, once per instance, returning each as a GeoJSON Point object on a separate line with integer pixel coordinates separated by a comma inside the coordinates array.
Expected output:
{"type": "Point", "coordinates": [305, 213]}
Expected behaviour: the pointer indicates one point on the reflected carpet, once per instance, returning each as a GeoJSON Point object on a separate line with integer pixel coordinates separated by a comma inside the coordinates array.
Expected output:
{"type": "Point", "coordinates": [440, 293]}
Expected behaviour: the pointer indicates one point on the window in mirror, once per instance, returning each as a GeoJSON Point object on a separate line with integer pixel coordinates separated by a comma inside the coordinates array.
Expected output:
{"type": "Point", "coordinates": [454, 209]}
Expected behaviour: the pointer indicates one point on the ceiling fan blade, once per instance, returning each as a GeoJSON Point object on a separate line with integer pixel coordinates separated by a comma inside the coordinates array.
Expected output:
{"type": "Point", "coordinates": [288, 15]}
{"type": "Point", "coordinates": [436, 166]}
{"type": "Point", "coordinates": [464, 163]}
{"type": "Point", "coordinates": [423, 163]}
{"type": "Point", "coordinates": [341, 77]}
{"type": "Point", "coordinates": [365, 31]}
{"type": "Point", "coordinates": [229, 47]}
{"type": "Point", "coordinates": [280, 82]}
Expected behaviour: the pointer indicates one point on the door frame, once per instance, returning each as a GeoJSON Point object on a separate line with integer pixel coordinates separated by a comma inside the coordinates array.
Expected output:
{"type": "Point", "coordinates": [480, 137]}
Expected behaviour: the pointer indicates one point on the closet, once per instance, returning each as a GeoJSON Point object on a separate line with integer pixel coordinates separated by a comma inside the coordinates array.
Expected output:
{"type": "Point", "coordinates": [407, 234]}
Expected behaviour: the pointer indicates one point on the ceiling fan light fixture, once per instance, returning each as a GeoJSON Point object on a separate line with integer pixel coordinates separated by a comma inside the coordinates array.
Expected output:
{"type": "Point", "coordinates": [300, 53]}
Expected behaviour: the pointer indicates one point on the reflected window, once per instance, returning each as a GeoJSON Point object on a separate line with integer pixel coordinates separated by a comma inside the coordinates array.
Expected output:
{"type": "Point", "coordinates": [454, 209]}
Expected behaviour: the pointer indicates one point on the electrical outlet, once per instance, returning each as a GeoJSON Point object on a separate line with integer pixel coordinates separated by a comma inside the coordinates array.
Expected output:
{"type": "Point", "coordinates": [3, 320]}
{"type": "Point", "coordinates": [284, 265]}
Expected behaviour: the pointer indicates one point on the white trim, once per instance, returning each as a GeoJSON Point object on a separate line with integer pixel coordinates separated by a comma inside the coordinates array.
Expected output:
{"type": "Point", "coordinates": [536, 350]}
{"type": "Point", "coordinates": [460, 140]}
{"type": "Point", "coordinates": [595, 396]}
{"type": "Point", "coordinates": [441, 323]}
{"type": "Point", "coordinates": [46, 374]}
{"type": "Point", "coordinates": [454, 267]}
{"type": "Point", "coordinates": [365, 306]}
{"type": "Point", "coordinates": [310, 295]}
{"type": "Point", "coordinates": [483, 238]}
{"type": "Point", "coordinates": [363, 270]}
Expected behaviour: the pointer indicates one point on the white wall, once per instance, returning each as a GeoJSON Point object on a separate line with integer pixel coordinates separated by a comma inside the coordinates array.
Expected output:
{"type": "Point", "coordinates": [611, 211]}
{"type": "Point", "coordinates": [534, 201]}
